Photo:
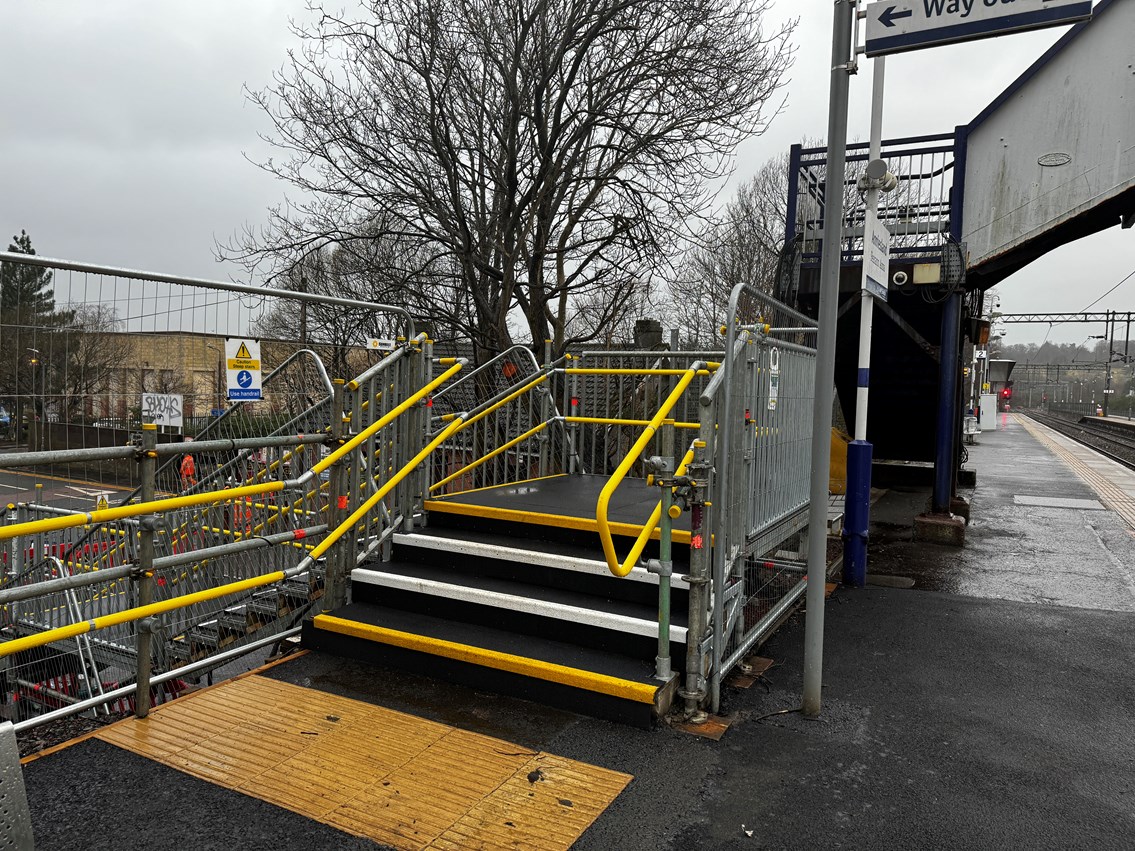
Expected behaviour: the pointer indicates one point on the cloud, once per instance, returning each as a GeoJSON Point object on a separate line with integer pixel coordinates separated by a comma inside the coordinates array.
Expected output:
{"type": "Point", "coordinates": [127, 128]}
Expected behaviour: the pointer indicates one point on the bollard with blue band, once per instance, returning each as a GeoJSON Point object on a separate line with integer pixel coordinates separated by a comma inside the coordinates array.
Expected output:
{"type": "Point", "coordinates": [856, 513]}
{"type": "Point", "coordinates": [876, 273]}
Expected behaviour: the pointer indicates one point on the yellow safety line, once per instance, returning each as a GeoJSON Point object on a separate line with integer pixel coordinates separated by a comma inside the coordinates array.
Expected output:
{"type": "Point", "coordinates": [562, 521]}
{"type": "Point", "coordinates": [523, 665]}
{"type": "Point", "coordinates": [603, 505]}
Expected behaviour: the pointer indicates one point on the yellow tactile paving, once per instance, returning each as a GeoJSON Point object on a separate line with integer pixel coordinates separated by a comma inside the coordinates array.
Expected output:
{"type": "Point", "coordinates": [1112, 482]}
{"type": "Point", "coordinates": [392, 777]}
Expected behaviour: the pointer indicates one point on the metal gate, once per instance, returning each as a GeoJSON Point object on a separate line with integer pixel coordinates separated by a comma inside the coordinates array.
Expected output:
{"type": "Point", "coordinates": [762, 409]}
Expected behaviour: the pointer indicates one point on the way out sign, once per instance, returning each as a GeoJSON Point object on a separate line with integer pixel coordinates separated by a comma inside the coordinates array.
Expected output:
{"type": "Point", "coordinates": [876, 256]}
{"type": "Point", "coordinates": [242, 358]}
{"type": "Point", "coordinates": [897, 25]}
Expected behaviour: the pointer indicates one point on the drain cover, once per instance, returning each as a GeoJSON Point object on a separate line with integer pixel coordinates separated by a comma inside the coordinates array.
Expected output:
{"type": "Point", "coordinates": [1058, 502]}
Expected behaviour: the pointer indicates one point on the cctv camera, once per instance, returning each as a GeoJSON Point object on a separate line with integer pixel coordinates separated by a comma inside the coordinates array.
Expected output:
{"type": "Point", "coordinates": [899, 278]}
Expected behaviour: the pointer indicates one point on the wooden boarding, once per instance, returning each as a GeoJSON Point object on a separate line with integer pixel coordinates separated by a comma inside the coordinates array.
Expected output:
{"type": "Point", "coordinates": [371, 771]}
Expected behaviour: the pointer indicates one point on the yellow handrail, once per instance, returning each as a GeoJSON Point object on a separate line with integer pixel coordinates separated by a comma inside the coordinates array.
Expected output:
{"type": "Point", "coordinates": [520, 391]}
{"type": "Point", "coordinates": [629, 371]}
{"type": "Point", "coordinates": [138, 509]}
{"type": "Point", "coordinates": [603, 505]}
{"type": "Point", "coordinates": [64, 632]}
{"type": "Point", "coordinates": [488, 457]}
{"type": "Point", "coordinates": [390, 484]}
{"type": "Point", "coordinates": [608, 421]}
{"type": "Point", "coordinates": [651, 524]}
{"type": "Point", "coordinates": [127, 615]}
{"type": "Point", "coordinates": [385, 420]}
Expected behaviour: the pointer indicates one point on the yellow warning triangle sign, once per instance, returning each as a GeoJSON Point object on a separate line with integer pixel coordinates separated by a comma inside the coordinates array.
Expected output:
{"type": "Point", "coordinates": [242, 352]}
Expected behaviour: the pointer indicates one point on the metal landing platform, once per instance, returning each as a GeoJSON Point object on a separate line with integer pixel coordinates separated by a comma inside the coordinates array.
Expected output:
{"type": "Point", "coordinates": [564, 502]}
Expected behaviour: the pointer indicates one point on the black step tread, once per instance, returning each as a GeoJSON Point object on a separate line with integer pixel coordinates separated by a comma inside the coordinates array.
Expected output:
{"type": "Point", "coordinates": [540, 648]}
{"type": "Point", "coordinates": [496, 585]}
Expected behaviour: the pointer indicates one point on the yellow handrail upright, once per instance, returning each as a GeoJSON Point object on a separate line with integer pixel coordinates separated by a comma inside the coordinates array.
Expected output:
{"type": "Point", "coordinates": [602, 507]}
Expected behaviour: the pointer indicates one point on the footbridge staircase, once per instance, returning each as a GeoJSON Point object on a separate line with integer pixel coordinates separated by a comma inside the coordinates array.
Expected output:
{"type": "Point", "coordinates": [610, 532]}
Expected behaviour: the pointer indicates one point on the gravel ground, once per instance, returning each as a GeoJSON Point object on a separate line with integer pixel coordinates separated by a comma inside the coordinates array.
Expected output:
{"type": "Point", "coordinates": [57, 732]}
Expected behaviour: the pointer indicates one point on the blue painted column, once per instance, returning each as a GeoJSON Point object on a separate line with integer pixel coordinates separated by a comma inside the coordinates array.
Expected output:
{"type": "Point", "coordinates": [857, 515]}
{"type": "Point", "coordinates": [947, 408]}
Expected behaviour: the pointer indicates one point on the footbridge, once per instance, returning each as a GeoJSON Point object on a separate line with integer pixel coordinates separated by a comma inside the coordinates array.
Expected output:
{"type": "Point", "coordinates": [1050, 160]}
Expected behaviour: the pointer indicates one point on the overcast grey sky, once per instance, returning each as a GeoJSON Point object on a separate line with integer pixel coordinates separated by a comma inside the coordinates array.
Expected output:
{"type": "Point", "coordinates": [126, 132]}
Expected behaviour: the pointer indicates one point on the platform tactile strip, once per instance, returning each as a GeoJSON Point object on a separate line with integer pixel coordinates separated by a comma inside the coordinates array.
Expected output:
{"type": "Point", "coordinates": [1121, 500]}
{"type": "Point", "coordinates": [371, 771]}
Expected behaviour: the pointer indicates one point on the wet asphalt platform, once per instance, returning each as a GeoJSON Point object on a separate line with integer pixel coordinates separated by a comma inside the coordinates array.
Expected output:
{"type": "Point", "coordinates": [991, 705]}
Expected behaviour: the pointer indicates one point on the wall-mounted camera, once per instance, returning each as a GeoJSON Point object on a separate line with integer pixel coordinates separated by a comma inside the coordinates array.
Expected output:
{"type": "Point", "coordinates": [900, 278]}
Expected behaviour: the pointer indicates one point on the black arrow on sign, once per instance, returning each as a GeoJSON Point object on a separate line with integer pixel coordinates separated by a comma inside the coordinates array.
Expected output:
{"type": "Point", "coordinates": [890, 15]}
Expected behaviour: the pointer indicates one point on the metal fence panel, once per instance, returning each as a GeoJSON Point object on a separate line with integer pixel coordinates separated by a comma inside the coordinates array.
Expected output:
{"type": "Point", "coordinates": [762, 413]}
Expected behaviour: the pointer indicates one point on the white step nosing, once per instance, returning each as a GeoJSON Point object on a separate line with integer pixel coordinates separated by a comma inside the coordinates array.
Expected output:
{"type": "Point", "coordinates": [459, 546]}
{"type": "Point", "coordinates": [515, 602]}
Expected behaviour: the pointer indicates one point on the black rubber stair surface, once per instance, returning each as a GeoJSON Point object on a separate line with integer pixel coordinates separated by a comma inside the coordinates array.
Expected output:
{"type": "Point", "coordinates": [566, 597]}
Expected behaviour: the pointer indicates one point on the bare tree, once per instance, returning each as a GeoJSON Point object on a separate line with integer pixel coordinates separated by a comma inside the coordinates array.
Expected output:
{"type": "Point", "coordinates": [743, 244]}
{"type": "Point", "coordinates": [91, 357]}
{"type": "Point", "coordinates": [543, 149]}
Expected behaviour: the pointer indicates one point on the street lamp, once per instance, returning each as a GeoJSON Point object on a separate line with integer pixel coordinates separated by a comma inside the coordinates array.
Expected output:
{"type": "Point", "coordinates": [33, 422]}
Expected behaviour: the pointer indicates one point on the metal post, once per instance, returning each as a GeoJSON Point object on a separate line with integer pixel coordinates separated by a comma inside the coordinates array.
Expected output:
{"type": "Point", "coordinates": [947, 415]}
{"type": "Point", "coordinates": [144, 576]}
{"type": "Point", "coordinates": [665, 564]}
{"type": "Point", "coordinates": [1127, 360]}
{"type": "Point", "coordinates": [825, 355]}
{"type": "Point", "coordinates": [857, 503]}
{"type": "Point", "coordinates": [1110, 351]}
{"type": "Point", "coordinates": [700, 472]}
{"type": "Point", "coordinates": [335, 580]}
{"type": "Point", "coordinates": [544, 438]}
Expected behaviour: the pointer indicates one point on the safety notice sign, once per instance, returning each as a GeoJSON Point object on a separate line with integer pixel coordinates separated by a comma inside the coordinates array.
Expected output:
{"type": "Point", "coordinates": [242, 359]}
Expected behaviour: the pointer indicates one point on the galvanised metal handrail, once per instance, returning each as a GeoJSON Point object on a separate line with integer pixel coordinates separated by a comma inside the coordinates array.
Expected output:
{"type": "Point", "coordinates": [138, 613]}
{"type": "Point", "coordinates": [226, 286]}
{"type": "Point", "coordinates": [139, 509]}
{"type": "Point", "coordinates": [602, 507]}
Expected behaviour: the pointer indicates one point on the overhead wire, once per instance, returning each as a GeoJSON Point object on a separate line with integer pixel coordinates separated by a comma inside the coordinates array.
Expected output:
{"type": "Point", "coordinates": [1109, 292]}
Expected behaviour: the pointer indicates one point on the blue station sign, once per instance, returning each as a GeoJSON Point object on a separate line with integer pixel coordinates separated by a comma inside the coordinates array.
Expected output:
{"type": "Point", "coordinates": [894, 26]}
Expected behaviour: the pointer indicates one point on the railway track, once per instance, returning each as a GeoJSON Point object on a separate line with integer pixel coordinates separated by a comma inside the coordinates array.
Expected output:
{"type": "Point", "coordinates": [1114, 441]}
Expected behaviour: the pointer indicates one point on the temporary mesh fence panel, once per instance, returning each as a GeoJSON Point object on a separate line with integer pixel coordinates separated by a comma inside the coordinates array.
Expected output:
{"type": "Point", "coordinates": [762, 414]}
{"type": "Point", "coordinates": [620, 402]}
{"type": "Point", "coordinates": [81, 350]}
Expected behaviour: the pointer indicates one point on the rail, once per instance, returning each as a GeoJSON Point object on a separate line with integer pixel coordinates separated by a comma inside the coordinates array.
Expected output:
{"type": "Point", "coordinates": [602, 508]}
{"type": "Point", "coordinates": [140, 509]}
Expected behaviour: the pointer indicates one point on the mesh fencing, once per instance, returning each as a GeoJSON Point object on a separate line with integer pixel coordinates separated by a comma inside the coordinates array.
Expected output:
{"type": "Point", "coordinates": [81, 350]}
{"type": "Point", "coordinates": [762, 412]}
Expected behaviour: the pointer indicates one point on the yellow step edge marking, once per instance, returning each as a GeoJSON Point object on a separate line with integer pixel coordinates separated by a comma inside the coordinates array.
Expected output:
{"type": "Point", "coordinates": [562, 521]}
{"type": "Point", "coordinates": [601, 683]}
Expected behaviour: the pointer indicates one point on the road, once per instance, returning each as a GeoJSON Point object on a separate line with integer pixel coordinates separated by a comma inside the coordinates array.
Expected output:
{"type": "Point", "coordinates": [76, 494]}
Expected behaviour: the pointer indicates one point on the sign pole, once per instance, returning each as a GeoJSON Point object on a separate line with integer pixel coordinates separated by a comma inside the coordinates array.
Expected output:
{"type": "Point", "coordinates": [825, 356]}
{"type": "Point", "coordinates": [858, 500]}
